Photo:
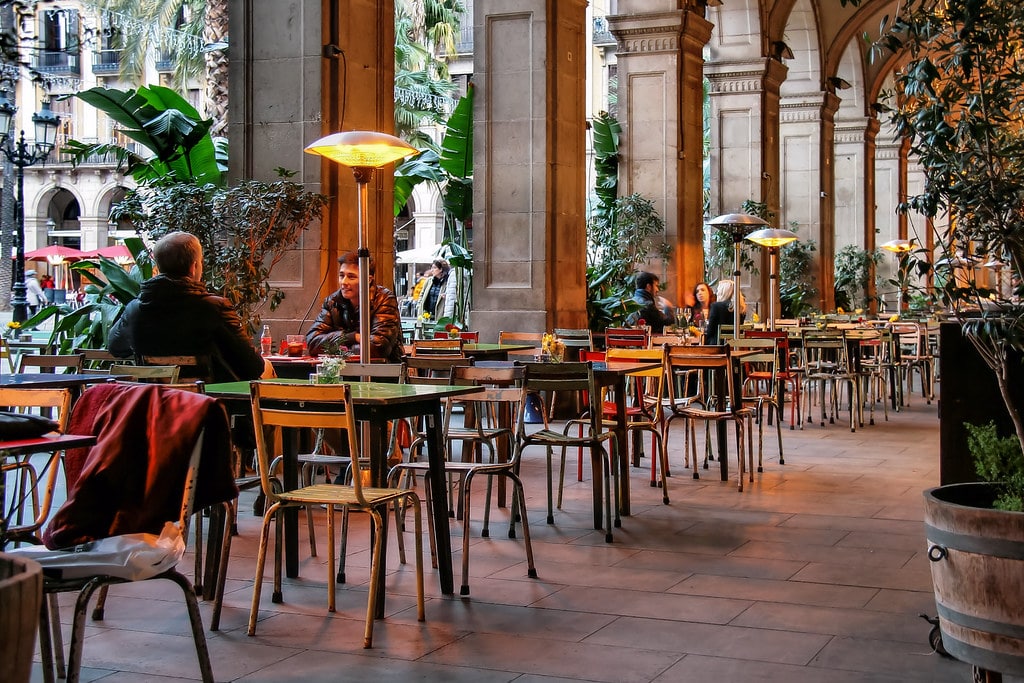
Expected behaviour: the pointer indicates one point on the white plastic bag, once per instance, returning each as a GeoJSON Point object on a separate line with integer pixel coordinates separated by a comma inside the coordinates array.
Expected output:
{"type": "Point", "coordinates": [134, 557]}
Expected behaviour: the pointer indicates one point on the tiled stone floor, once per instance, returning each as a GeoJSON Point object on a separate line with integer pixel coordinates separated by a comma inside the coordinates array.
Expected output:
{"type": "Point", "coordinates": [816, 572]}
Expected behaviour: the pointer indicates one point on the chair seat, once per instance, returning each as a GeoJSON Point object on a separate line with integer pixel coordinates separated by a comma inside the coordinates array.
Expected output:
{"type": "Point", "coordinates": [340, 495]}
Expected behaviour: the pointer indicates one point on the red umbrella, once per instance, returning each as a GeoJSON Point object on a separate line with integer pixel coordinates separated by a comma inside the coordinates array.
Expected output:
{"type": "Point", "coordinates": [54, 251]}
{"type": "Point", "coordinates": [114, 251]}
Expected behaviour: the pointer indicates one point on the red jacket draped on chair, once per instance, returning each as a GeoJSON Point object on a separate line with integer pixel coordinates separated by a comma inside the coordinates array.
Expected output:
{"type": "Point", "coordinates": [130, 480]}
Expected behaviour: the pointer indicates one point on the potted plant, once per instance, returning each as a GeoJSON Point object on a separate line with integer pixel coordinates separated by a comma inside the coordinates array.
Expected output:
{"type": "Point", "coordinates": [959, 106]}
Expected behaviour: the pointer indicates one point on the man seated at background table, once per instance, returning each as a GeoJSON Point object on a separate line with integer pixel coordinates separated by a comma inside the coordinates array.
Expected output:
{"type": "Point", "coordinates": [338, 322]}
{"type": "Point", "coordinates": [175, 315]}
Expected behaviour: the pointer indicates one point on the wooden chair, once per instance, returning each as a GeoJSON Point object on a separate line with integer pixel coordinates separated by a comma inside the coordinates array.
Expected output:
{"type": "Point", "coordinates": [627, 337]}
{"type": "Point", "coordinates": [24, 475]}
{"type": "Point", "coordinates": [186, 459]}
{"type": "Point", "coordinates": [646, 413]}
{"type": "Point", "coordinates": [575, 377]}
{"type": "Point", "coordinates": [189, 367]}
{"type": "Point", "coordinates": [726, 408]}
{"type": "Point", "coordinates": [438, 347]}
{"type": "Point", "coordinates": [760, 386]}
{"type": "Point", "coordinates": [323, 406]}
{"type": "Point", "coordinates": [789, 369]}
{"type": "Point", "coordinates": [153, 374]}
{"type": "Point", "coordinates": [467, 336]}
{"type": "Point", "coordinates": [38, 362]}
{"type": "Point", "coordinates": [97, 360]}
{"type": "Point", "coordinates": [534, 339]}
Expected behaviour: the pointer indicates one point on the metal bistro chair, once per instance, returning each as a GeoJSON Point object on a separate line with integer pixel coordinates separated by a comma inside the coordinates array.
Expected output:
{"type": "Point", "coordinates": [717, 359]}
{"type": "Point", "coordinates": [499, 394]}
{"type": "Point", "coordinates": [577, 377]}
{"type": "Point", "coordinates": [25, 475]}
{"type": "Point", "coordinates": [323, 406]}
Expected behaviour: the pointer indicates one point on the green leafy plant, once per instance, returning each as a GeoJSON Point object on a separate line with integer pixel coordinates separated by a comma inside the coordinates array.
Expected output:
{"type": "Point", "coordinates": [853, 267]}
{"type": "Point", "coordinates": [245, 230]}
{"type": "Point", "coordinates": [451, 168]}
{"type": "Point", "coordinates": [633, 233]}
{"type": "Point", "coordinates": [999, 460]}
{"type": "Point", "coordinates": [796, 277]}
{"type": "Point", "coordinates": [163, 122]}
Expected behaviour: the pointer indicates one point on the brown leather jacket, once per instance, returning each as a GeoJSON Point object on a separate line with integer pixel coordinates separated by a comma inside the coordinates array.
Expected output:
{"type": "Point", "coordinates": [338, 324]}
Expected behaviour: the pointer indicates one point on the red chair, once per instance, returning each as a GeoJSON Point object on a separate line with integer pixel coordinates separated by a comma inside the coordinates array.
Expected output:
{"type": "Point", "coordinates": [465, 336]}
{"type": "Point", "coordinates": [787, 374]}
{"type": "Point", "coordinates": [627, 337]}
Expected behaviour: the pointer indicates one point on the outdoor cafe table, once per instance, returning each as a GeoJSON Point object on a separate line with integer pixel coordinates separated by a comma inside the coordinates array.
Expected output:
{"type": "Point", "coordinates": [375, 403]}
{"type": "Point", "coordinates": [15, 448]}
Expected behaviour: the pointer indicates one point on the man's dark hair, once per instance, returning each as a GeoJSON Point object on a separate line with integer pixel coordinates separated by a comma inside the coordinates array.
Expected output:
{"type": "Point", "coordinates": [643, 279]}
{"type": "Point", "coordinates": [175, 252]}
{"type": "Point", "coordinates": [351, 258]}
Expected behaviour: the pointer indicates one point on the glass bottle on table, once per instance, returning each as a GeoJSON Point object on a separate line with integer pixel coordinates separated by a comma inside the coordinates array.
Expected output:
{"type": "Point", "coordinates": [266, 341]}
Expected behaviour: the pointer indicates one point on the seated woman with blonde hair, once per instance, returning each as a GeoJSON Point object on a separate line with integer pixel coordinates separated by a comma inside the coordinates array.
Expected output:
{"type": "Point", "coordinates": [722, 312]}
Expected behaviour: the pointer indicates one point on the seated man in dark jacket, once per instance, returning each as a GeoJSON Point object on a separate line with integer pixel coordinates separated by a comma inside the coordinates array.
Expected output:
{"type": "Point", "coordinates": [338, 322]}
{"type": "Point", "coordinates": [656, 310]}
{"type": "Point", "coordinates": [175, 315]}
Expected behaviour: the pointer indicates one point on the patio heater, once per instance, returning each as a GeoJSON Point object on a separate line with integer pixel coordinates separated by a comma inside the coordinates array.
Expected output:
{"type": "Point", "coordinates": [738, 226]}
{"type": "Point", "coordinates": [362, 151]}
{"type": "Point", "coordinates": [21, 154]}
{"type": "Point", "coordinates": [901, 248]}
{"type": "Point", "coordinates": [773, 239]}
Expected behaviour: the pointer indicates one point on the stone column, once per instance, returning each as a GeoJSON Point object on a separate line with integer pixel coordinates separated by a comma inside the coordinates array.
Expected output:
{"type": "Point", "coordinates": [529, 224]}
{"type": "Point", "coordinates": [301, 70]}
{"type": "Point", "coordinates": [661, 74]}
{"type": "Point", "coordinates": [745, 143]}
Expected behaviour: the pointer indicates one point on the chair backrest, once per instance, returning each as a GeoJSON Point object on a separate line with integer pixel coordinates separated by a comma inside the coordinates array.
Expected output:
{"type": "Point", "coordinates": [423, 367]}
{"type": "Point", "coordinates": [36, 362]}
{"type": "Point", "coordinates": [47, 400]}
{"type": "Point", "coordinates": [438, 347]}
{"type": "Point", "coordinates": [686, 358]}
{"type": "Point", "coordinates": [370, 372]}
{"type": "Point", "coordinates": [627, 337]}
{"type": "Point", "coordinates": [580, 338]}
{"type": "Point", "coordinates": [649, 385]}
{"type": "Point", "coordinates": [302, 406]}
{"type": "Point", "coordinates": [509, 337]}
{"type": "Point", "coordinates": [96, 359]}
{"type": "Point", "coordinates": [567, 377]}
{"type": "Point", "coordinates": [190, 367]}
{"type": "Point", "coordinates": [781, 338]}
{"type": "Point", "coordinates": [468, 336]}
{"type": "Point", "coordinates": [155, 374]}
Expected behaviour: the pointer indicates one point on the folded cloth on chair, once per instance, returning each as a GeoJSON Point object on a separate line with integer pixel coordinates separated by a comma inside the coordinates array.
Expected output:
{"type": "Point", "coordinates": [130, 480]}
{"type": "Point", "coordinates": [24, 425]}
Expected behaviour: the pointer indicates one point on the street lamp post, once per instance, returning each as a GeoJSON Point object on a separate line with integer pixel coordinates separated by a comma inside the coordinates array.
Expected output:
{"type": "Point", "coordinates": [773, 239]}
{"type": "Point", "coordinates": [362, 151]}
{"type": "Point", "coordinates": [738, 226]}
{"type": "Point", "coordinates": [21, 154]}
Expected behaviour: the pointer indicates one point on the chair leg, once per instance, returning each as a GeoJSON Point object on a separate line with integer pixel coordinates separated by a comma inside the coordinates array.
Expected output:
{"type": "Point", "coordinates": [371, 598]}
{"type": "Point", "coordinates": [196, 620]}
{"type": "Point", "coordinates": [261, 560]}
{"type": "Point", "coordinates": [222, 570]}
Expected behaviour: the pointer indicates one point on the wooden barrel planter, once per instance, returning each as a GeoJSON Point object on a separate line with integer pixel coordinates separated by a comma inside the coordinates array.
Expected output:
{"type": "Point", "coordinates": [977, 563]}
{"type": "Point", "coordinates": [21, 591]}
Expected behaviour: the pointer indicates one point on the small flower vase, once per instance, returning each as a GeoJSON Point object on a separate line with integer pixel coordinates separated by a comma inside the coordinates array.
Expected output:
{"type": "Point", "coordinates": [328, 370]}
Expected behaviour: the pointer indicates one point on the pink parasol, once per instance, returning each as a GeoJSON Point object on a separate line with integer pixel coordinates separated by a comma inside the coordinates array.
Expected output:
{"type": "Point", "coordinates": [115, 251]}
{"type": "Point", "coordinates": [54, 253]}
